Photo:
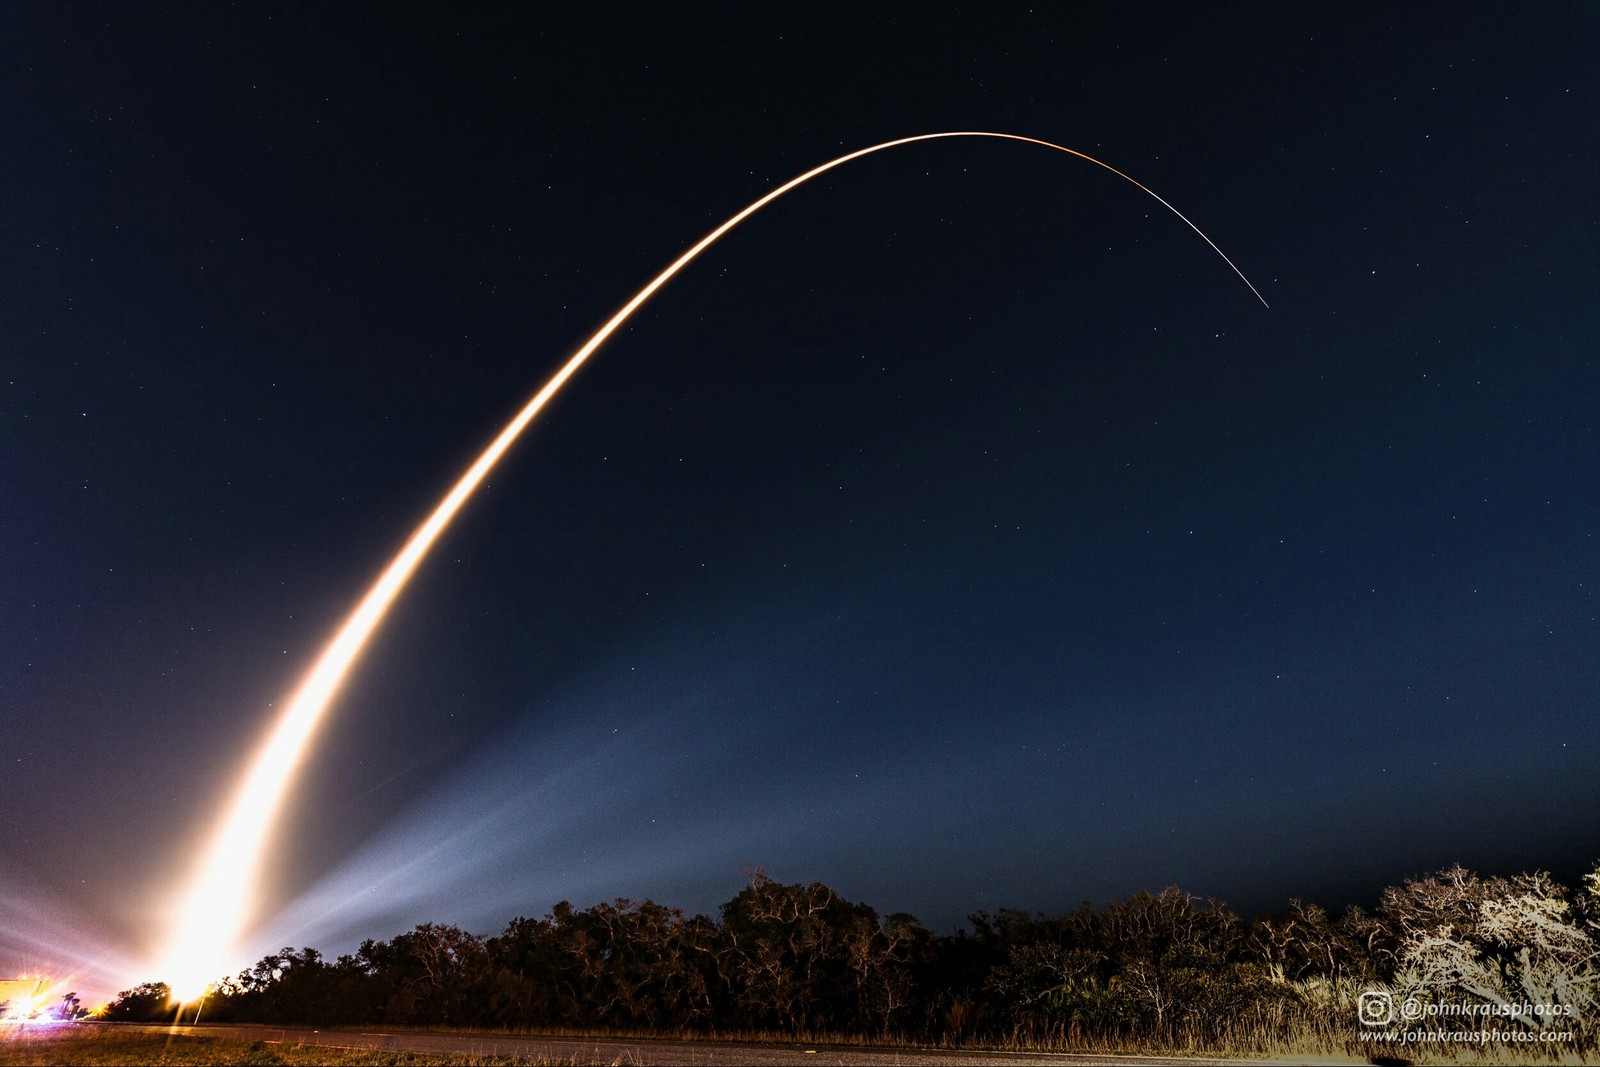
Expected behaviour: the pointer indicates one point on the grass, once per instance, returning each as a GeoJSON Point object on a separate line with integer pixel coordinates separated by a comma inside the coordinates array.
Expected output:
{"type": "Point", "coordinates": [1299, 1040]}
{"type": "Point", "coordinates": [112, 1044]}
{"type": "Point", "coordinates": [95, 1045]}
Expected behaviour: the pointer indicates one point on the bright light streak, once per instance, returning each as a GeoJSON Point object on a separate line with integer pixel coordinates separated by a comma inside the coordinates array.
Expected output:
{"type": "Point", "coordinates": [213, 912]}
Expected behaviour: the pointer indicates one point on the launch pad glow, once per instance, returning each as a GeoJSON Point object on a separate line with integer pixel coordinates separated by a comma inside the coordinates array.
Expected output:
{"type": "Point", "coordinates": [214, 910]}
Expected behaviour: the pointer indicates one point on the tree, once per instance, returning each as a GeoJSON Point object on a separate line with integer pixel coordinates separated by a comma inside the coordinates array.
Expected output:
{"type": "Point", "coordinates": [1501, 943]}
{"type": "Point", "coordinates": [70, 1009]}
{"type": "Point", "coordinates": [145, 1003]}
{"type": "Point", "coordinates": [1305, 942]}
{"type": "Point", "coordinates": [434, 973]}
{"type": "Point", "coordinates": [787, 955]}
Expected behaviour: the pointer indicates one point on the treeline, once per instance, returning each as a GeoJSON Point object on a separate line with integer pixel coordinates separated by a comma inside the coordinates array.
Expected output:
{"type": "Point", "coordinates": [1163, 969]}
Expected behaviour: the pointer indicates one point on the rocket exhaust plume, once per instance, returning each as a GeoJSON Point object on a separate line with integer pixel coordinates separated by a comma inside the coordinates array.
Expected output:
{"type": "Point", "coordinates": [213, 912]}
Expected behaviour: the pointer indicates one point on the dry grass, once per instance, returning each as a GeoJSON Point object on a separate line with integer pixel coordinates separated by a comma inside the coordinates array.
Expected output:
{"type": "Point", "coordinates": [1294, 1042]}
{"type": "Point", "coordinates": [94, 1045]}
{"type": "Point", "coordinates": [111, 1044]}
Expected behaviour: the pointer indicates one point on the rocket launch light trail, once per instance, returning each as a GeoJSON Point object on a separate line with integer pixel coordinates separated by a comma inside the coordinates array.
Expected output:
{"type": "Point", "coordinates": [212, 913]}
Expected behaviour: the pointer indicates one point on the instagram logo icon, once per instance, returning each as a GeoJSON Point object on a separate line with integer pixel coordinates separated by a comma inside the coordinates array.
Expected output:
{"type": "Point", "coordinates": [1375, 1008]}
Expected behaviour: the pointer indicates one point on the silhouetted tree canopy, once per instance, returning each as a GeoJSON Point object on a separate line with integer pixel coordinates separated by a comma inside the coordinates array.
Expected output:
{"type": "Point", "coordinates": [144, 1003]}
{"type": "Point", "coordinates": [1161, 967]}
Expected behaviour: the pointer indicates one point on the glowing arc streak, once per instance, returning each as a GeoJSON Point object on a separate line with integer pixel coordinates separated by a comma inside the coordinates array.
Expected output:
{"type": "Point", "coordinates": [213, 911]}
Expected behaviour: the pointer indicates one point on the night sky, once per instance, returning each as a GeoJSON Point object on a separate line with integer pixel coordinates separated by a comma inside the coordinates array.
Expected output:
{"type": "Point", "coordinates": [960, 532]}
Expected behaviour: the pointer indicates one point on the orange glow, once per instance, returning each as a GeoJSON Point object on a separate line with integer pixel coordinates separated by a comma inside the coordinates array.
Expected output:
{"type": "Point", "coordinates": [213, 912]}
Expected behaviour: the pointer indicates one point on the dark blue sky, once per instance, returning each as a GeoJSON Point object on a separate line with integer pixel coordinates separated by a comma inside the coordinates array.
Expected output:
{"type": "Point", "coordinates": [960, 532]}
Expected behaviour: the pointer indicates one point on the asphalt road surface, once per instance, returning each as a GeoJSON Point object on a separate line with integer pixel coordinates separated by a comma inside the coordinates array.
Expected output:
{"type": "Point", "coordinates": [621, 1051]}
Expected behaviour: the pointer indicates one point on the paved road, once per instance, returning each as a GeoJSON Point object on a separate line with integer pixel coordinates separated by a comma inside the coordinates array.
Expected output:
{"type": "Point", "coordinates": [623, 1052]}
